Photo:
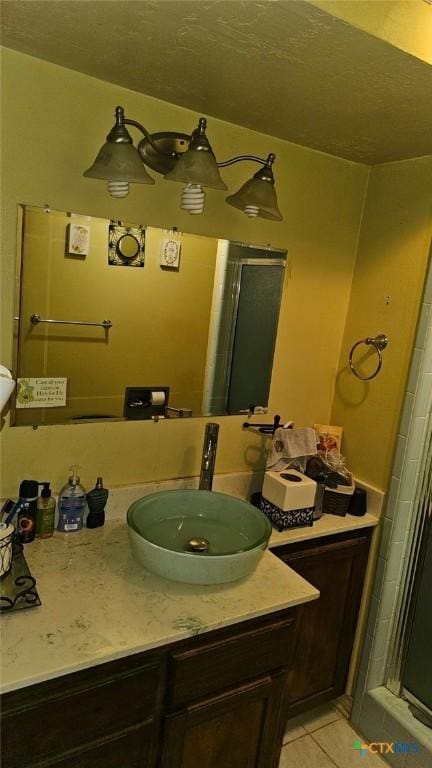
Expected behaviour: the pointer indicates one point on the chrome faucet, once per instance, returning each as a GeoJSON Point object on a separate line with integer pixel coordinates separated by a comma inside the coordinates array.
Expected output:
{"type": "Point", "coordinates": [208, 456]}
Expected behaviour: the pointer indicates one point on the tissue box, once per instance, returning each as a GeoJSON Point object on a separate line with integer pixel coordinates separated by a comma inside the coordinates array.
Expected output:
{"type": "Point", "coordinates": [288, 498]}
{"type": "Point", "coordinates": [292, 518]}
{"type": "Point", "coordinates": [286, 493]}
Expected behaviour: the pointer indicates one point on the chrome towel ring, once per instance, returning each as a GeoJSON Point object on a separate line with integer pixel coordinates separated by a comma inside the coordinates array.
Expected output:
{"type": "Point", "coordinates": [379, 342]}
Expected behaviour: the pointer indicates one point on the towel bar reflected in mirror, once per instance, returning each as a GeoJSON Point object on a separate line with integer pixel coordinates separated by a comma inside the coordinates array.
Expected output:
{"type": "Point", "coordinates": [36, 319]}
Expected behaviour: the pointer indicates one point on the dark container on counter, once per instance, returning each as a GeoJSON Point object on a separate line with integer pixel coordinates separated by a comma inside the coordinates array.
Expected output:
{"type": "Point", "coordinates": [27, 513]}
{"type": "Point", "coordinates": [96, 500]}
{"type": "Point", "coordinates": [358, 503]}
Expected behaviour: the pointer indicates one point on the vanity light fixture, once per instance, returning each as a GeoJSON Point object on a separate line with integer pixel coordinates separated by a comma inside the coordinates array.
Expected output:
{"type": "Point", "coordinates": [182, 158]}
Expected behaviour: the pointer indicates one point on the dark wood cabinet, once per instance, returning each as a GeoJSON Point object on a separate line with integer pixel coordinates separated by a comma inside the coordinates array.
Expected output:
{"type": "Point", "coordinates": [325, 631]}
{"type": "Point", "coordinates": [129, 749]}
{"type": "Point", "coordinates": [219, 699]}
{"type": "Point", "coordinates": [241, 724]}
{"type": "Point", "coordinates": [235, 728]}
{"type": "Point", "coordinates": [209, 701]}
{"type": "Point", "coordinates": [222, 660]}
{"type": "Point", "coordinates": [107, 715]}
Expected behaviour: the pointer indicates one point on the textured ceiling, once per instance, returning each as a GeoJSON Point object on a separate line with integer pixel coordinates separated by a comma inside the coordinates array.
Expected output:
{"type": "Point", "coordinates": [284, 68]}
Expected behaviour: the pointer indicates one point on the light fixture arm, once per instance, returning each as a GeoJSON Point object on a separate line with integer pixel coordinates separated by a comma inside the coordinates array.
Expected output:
{"type": "Point", "coordinates": [147, 135]}
{"type": "Point", "coordinates": [239, 158]}
{"type": "Point", "coordinates": [119, 134]}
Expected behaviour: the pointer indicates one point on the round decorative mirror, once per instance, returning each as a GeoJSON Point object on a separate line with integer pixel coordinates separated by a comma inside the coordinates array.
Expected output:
{"type": "Point", "coordinates": [128, 247]}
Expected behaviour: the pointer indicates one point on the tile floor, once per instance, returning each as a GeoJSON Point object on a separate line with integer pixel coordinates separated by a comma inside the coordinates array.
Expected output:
{"type": "Point", "coordinates": [323, 738]}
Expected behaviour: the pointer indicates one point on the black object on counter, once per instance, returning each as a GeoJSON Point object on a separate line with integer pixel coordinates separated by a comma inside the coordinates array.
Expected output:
{"type": "Point", "coordinates": [18, 586]}
{"type": "Point", "coordinates": [358, 504]}
{"type": "Point", "coordinates": [96, 500]}
{"type": "Point", "coordinates": [317, 469]}
{"type": "Point", "coordinates": [265, 429]}
{"type": "Point", "coordinates": [26, 521]}
{"type": "Point", "coordinates": [255, 500]}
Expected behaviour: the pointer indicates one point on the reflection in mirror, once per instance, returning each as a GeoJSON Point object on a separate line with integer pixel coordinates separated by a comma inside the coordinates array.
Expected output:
{"type": "Point", "coordinates": [128, 247]}
{"type": "Point", "coordinates": [201, 329]}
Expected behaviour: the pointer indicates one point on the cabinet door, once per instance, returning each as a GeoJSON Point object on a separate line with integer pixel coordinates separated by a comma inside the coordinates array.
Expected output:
{"type": "Point", "coordinates": [326, 627]}
{"type": "Point", "coordinates": [233, 729]}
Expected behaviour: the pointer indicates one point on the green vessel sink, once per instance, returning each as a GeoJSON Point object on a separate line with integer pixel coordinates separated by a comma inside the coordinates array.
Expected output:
{"type": "Point", "coordinates": [197, 537]}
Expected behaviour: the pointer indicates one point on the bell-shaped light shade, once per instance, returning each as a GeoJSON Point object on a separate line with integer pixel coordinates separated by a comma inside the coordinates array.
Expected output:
{"type": "Point", "coordinates": [257, 194]}
{"type": "Point", "coordinates": [197, 166]}
{"type": "Point", "coordinates": [119, 162]}
{"type": "Point", "coordinates": [7, 385]}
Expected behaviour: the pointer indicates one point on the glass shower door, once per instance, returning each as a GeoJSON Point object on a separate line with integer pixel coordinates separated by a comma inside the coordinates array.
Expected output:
{"type": "Point", "coordinates": [417, 675]}
{"type": "Point", "coordinates": [255, 334]}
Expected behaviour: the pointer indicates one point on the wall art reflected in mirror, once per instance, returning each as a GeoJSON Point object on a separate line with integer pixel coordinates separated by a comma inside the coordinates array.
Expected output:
{"type": "Point", "coordinates": [190, 333]}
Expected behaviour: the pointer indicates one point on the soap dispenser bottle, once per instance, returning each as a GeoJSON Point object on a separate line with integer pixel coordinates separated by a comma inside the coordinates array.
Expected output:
{"type": "Point", "coordinates": [71, 504]}
{"type": "Point", "coordinates": [45, 513]}
{"type": "Point", "coordinates": [96, 500]}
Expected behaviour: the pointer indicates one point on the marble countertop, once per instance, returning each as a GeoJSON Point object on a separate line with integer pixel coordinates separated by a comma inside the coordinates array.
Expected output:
{"type": "Point", "coordinates": [98, 604]}
{"type": "Point", "coordinates": [327, 525]}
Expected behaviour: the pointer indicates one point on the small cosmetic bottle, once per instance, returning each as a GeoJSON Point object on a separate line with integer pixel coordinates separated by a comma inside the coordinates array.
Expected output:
{"type": "Point", "coordinates": [96, 500]}
{"type": "Point", "coordinates": [45, 513]}
{"type": "Point", "coordinates": [27, 511]}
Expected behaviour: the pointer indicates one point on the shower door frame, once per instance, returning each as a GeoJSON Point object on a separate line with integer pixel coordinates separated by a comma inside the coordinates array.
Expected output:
{"type": "Point", "coordinates": [418, 538]}
{"type": "Point", "coordinates": [416, 543]}
{"type": "Point", "coordinates": [238, 263]}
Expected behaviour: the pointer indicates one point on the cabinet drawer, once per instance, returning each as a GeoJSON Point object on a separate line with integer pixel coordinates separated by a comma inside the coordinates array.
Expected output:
{"type": "Point", "coordinates": [130, 749]}
{"type": "Point", "coordinates": [66, 718]}
{"type": "Point", "coordinates": [214, 665]}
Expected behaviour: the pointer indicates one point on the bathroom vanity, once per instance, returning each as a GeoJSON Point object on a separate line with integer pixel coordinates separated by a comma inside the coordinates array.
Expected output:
{"type": "Point", "coordinates": [210, 701]}
{"type": "Point", "coordinates": [123, 669]}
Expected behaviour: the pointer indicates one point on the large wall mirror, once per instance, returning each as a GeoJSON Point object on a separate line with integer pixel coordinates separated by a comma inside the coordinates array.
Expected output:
{"type": "Point", "coordinates": [117, 320]}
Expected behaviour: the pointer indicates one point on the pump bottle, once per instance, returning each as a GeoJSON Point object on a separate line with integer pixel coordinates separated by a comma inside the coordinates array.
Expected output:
{"type": "Point", "coordinates": [45, 513]}
{"type": "Point", "coordinates": [72, 503]}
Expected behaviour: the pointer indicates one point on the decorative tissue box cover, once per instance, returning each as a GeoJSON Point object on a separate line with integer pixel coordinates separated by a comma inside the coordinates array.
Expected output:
{"type": "Point", "coordinates": [289, 490]}
{"type": "Point", "coordinates": [281, 519]}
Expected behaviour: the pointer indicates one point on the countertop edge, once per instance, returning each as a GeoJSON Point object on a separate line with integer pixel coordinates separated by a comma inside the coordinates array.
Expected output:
{"type": "Point", "coordinates": [148, 647]}
{"type": "Point", "coordinates": [304, 594]}
{"type": "Point", "coordinates": [327, 525]}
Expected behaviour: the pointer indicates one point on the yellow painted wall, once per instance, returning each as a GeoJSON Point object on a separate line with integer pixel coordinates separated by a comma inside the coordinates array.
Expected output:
{"type": "Point", "coordinates": [387, 286]}
{"type": "Point", "coordinates": [153, 311]}
{"type": "Point", "coordinates": [54, 121]}
{"type": "Point", "coordinates": [406, 24]}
